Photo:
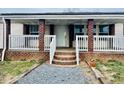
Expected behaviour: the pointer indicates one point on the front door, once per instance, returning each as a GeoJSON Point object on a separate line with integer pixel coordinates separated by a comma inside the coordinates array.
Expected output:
{"type": "Point", "coordinates": [71, 34]}
{"type": "Point", "coordinates": [62, 36]}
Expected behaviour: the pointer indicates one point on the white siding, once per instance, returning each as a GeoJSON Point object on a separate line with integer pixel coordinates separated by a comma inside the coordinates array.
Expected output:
{"type": "Point", "coordinates": [119, 32]}
{"type": "Point", "coordinates": [62, 36]}
{"type": "Point", "coordinates": [47, 30]}
{"type": "Point", "coordinates": [1, 35]}
{"type": "Point", "coordinates": [119, 29]}
{"type": "Point", "coordinates": [16, 29]}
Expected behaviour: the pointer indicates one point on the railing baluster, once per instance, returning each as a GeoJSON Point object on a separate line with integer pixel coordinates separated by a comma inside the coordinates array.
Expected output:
{"type": "Point", "coordinates": [24, 42]}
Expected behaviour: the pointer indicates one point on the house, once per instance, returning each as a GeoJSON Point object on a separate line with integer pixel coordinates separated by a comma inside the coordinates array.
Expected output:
{"type": "Point", "coordinates": [34, 35]}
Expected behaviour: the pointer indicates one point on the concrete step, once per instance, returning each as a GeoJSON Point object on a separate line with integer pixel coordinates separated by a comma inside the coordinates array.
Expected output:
{"type": "Point", "coordinates": [64, 62]}
{"type": "Point", "coordinates": [65, 57]}
{"type": "Point", "coordinates": [65, 50]}
{"type": "Point", "coordinates": [65, 53]}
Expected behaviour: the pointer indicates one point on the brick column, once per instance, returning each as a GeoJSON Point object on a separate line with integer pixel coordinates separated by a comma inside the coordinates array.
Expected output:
{"type": "Point", "coordinates": [90, 35]}
{"type": "Point", "coordinates": [41, 34]}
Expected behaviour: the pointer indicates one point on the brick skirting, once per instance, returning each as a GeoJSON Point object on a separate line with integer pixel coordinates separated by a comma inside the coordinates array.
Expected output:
{"type": "Point", "coordinates": [101, 56]}
{"type": "Point", "coordinates": [36, 55]}
{"type": "Point", "coordinates": [26, 55]}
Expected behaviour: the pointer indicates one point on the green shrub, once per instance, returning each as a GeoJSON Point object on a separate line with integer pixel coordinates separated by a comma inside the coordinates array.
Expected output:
{"type": "Point", "coordinates": [98, 60]}
{"type": "Point", "coordinates": [112, 60]}
{"type": "Point", "coordinates": [41, 61]}
{"type": "Point", "coordinates": [5, 62]}
{"type": "Point", "coordinates": [7, 59]}
{"type": "Point", "coordinates": [33, 61]}
{"type": "Point", "coordinates": [23, 59]}
{"type": "Point", "coordinates": [116, 76]}
{"type": "Point", "coordinates": [2, 62]}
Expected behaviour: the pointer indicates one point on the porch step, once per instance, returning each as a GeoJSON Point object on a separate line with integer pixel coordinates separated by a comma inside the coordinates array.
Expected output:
{"type": "Point", "coordinates": [64, 62]}
{"type": "Point", "coordinates": [58, 52]}
{"type": "Point", "coordinates": [65, 57]}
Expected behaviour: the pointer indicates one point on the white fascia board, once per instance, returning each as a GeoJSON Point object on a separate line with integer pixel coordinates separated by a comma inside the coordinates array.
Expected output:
{"type": "Point", "coordinates": [64, 16]}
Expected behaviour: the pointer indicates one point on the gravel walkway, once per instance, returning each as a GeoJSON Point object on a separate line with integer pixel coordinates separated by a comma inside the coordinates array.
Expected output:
{"type": "Point", "coordinates": [49, 74]}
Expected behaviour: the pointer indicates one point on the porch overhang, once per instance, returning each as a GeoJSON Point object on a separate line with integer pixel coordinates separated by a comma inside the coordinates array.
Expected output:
{"type": "Point", "coordinates": [110, 16]}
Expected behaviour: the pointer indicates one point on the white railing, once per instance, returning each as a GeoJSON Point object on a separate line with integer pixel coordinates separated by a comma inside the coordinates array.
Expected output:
{"type": "Point", "coordinates": [82, 42]}
{"type": "Point", "coordinates": [81, 45]}
{"type": "Point", "coordinates": [24, 42]}
{"type": "Point", "coordinates": [100, 43]}
{"type": "Point", "coordinates": [108, 43]}
{"type": "Point", "coordinates": [52, 48]}
{"type": "Point", "coordinates": [47, 41]}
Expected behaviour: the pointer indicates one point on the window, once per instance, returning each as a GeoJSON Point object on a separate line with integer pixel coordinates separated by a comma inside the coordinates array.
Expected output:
{"type": "Point", "coordinates": [33, 29]}
{"type": "Point", "coordinates": [104, 30]}
{"type": "Point", "coordinates": [79, 30]}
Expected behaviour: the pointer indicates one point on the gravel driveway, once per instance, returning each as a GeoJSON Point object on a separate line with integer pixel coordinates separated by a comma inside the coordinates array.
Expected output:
{"type": "Point", "coordinates": [49, 74]}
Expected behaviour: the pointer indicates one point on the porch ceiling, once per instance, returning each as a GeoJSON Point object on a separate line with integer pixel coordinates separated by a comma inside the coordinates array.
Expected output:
{"type": "Point", "coordinates": [25, 21]}
{"type": "Point", "coordinates": [68, 21]}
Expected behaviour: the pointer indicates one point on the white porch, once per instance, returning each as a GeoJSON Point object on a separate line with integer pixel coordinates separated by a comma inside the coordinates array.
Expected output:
{"type": "Point", "coordinates": [21, 39]}
{"type": "Point", "coordinates": [37, 32]}
{"type": "Point", "coordinates": [102, 41]}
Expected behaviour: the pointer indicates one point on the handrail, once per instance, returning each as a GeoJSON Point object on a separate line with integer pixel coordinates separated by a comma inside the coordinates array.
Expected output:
{"type": "Point", "coordinates": [52, 48]}
{"type": "Point", "coordinates": [77, 51]}
{"type": "Point", "coordinates": [4, 39]}
{"type": "Point", "coordinates": [3, 54]}
{"type": "Point", "coordinates": [47, 41]}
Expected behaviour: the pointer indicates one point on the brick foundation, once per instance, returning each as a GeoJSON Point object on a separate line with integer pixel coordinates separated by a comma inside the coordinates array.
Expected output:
{"type": "Point", "coordinates": [101, 56]}
{"type": "Point", "coordinates": [26, 55]}
{"type": "Point", "coordinates": [36, 55]}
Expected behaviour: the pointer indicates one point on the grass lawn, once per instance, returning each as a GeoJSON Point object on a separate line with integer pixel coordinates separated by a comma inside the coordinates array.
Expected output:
{"type": "Point", "coordinates": [8, 70]}
{"type": "Point", "coordinates": [113, 70]}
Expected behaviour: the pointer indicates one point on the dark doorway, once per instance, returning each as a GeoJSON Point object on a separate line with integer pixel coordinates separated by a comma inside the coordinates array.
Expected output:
{"type": "Point", "coordinates": [71, 34]}
{"type": "Point", "coordinates": [51, 29]}
{"type": "Point", "coordinates": [26, 29]}
{"type": "Point", "coordinates": [111, 29]}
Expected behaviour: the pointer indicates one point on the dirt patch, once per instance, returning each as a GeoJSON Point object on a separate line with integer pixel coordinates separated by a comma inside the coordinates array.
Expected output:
{"type": "Point", "coordinates": [88, 73]}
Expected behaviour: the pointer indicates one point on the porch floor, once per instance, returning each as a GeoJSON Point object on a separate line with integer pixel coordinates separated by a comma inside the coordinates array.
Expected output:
{"type": "Point", "coordinates": [64, 49]}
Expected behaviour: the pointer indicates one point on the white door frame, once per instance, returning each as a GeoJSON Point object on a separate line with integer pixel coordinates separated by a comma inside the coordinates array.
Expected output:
{"type": "Point", "coordinates": [62, 35]}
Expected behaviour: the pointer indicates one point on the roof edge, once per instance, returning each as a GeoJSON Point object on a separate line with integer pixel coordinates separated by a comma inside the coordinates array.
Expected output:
{"type": "Point", "coordinates": [69, 13]}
